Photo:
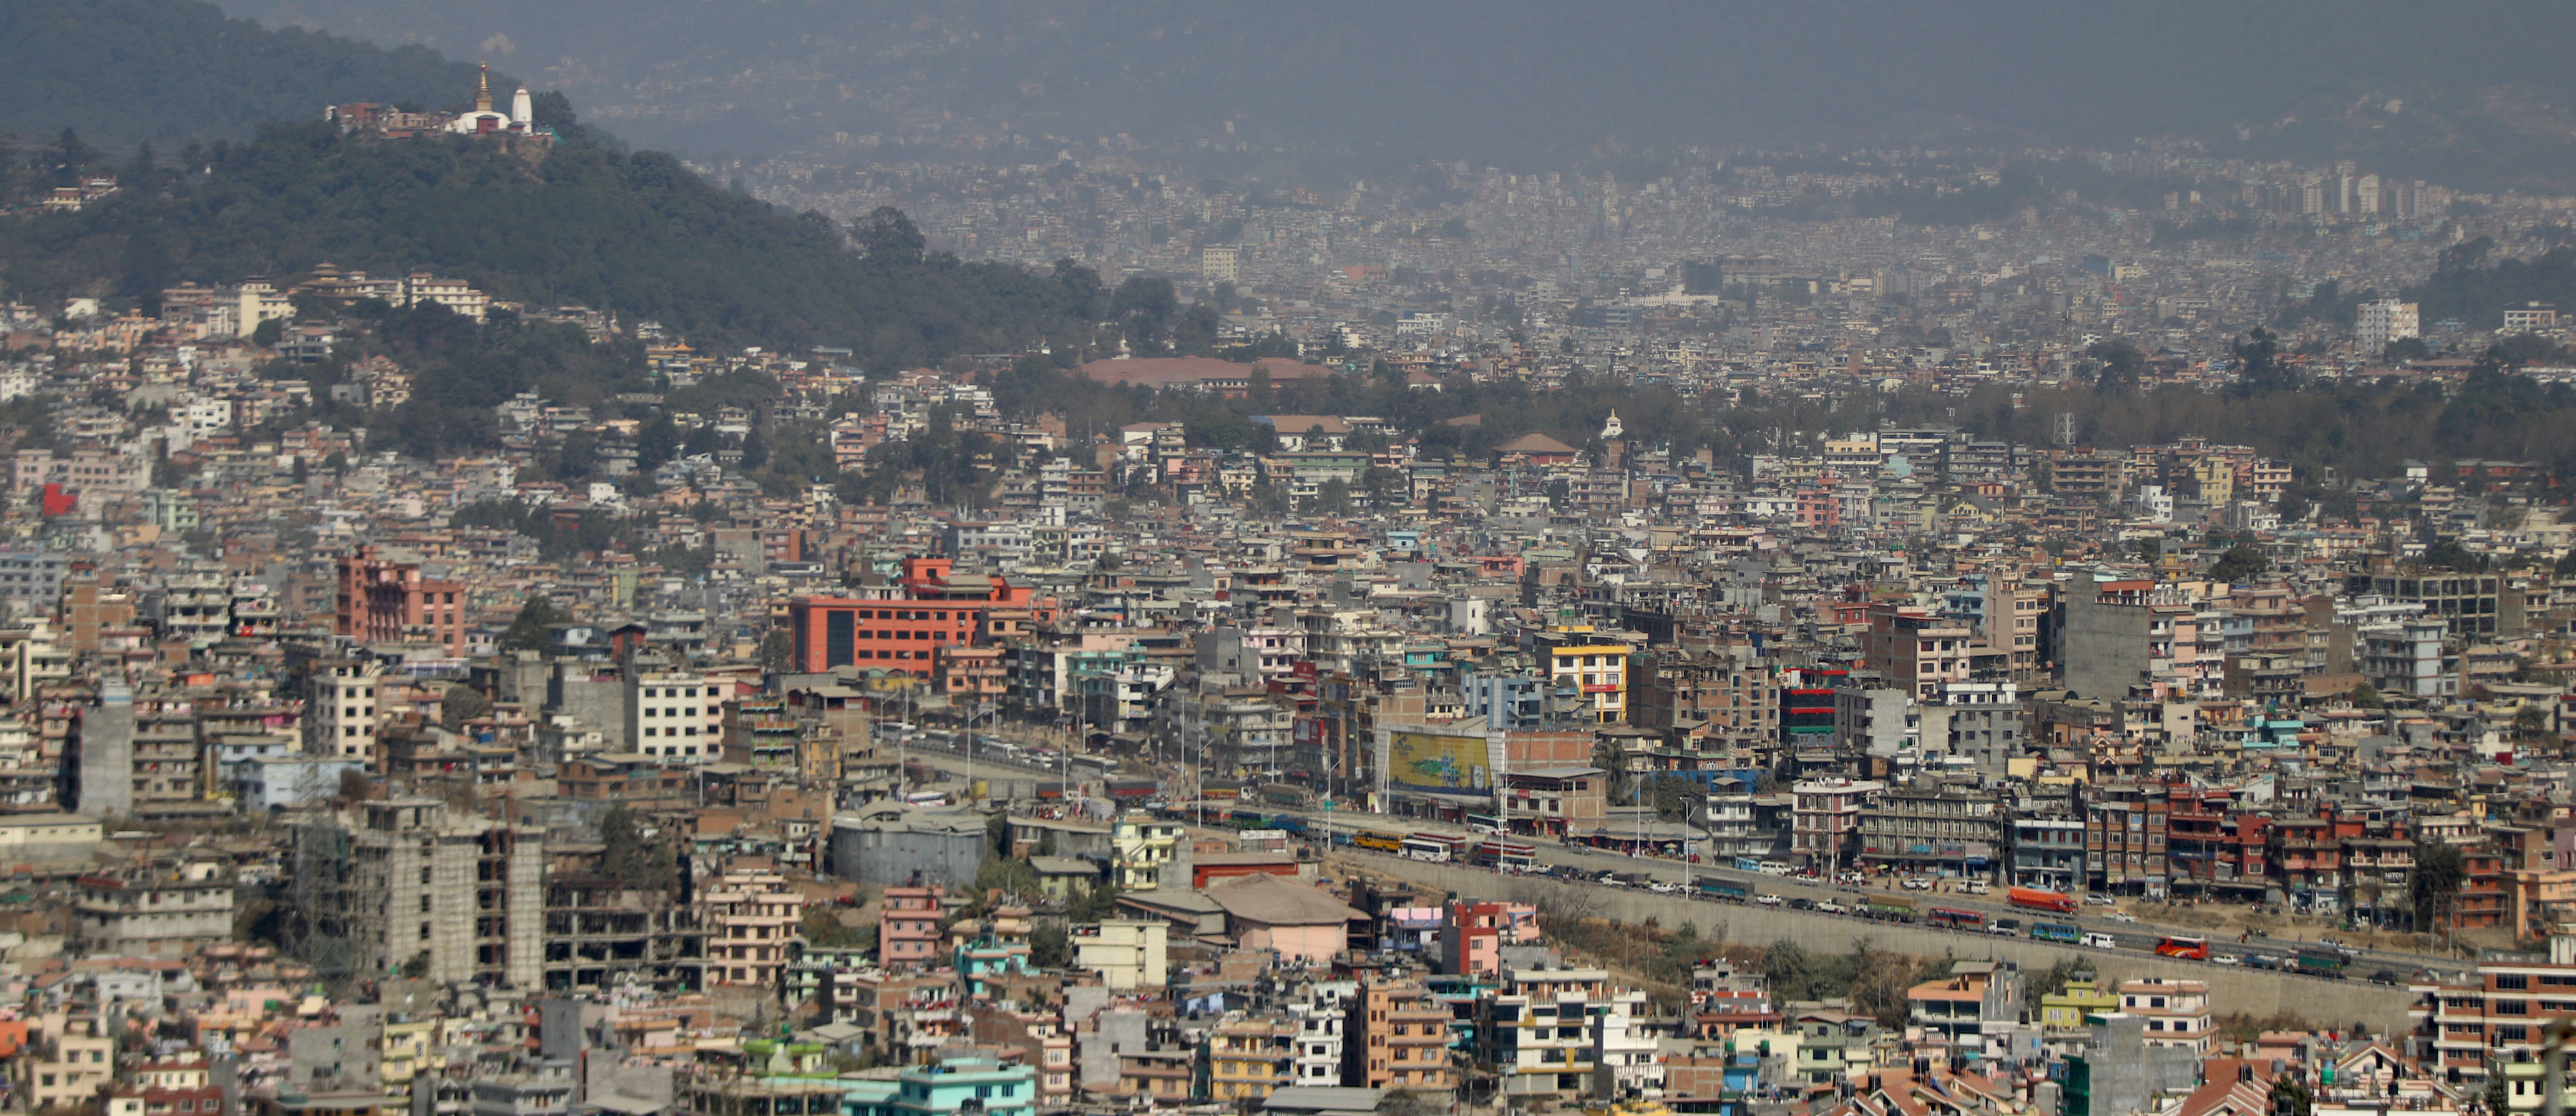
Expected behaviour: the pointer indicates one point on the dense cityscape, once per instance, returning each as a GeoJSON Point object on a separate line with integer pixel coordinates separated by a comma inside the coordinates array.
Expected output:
{"type": "Point", "coordinates": [1039, 627]}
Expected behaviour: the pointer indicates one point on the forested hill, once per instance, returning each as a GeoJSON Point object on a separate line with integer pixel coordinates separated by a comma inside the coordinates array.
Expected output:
{"type": "Point", "coordinates": [636, 234]}
{"type": "Point", "coordinates": [126, 72]}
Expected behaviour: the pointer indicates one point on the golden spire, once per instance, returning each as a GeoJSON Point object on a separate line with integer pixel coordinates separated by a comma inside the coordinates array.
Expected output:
{"type": "Point", "coordinates": [483, 90]}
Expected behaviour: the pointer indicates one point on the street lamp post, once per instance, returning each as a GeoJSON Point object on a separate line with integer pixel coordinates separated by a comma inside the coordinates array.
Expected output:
{"type": "Point", "coordinates": [970, 747]}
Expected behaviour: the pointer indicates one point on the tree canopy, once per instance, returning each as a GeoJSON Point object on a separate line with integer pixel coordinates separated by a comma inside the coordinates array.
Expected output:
{"type": "Point", "coordinates": [639, 235]}
{"type": "Point", "coordinates": [131, 72]}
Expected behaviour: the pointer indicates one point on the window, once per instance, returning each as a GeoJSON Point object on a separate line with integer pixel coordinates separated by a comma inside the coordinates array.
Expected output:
{"type": "Point", "coordinates": [839, 635]}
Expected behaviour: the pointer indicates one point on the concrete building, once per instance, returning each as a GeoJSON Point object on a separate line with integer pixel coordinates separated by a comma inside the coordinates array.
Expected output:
{"type": "Point", "coordinates": [1149, 853]}
{"type": "Point", "coordinates": [1398, 1039]}
{"type": "Point", "coordinates": [2380, 321]}
{"type": "Point", "coordinates": [1961, 1006]}
{"type": "Point", "coordinates": [677, 715]}
{"type": "Point", "coordinates": [749, 917]}
{"type": "Point", "coordinates": [2408, 660]}
{"type": "Point", "coordinates": [153, 910]}
{"type": "Point", "coordinates": [1599, 670]}
{"type": "Point", "coordinates": [1536, 1033]}
{"type": "Point", "coordinates": [341, 711]}
{"type": "Point", "coordinates": [2103, 637]}
{"type": "Point", "coordinates": [1127, 953]}
{"type": "Point", "coordinates": [1826, 822]}
{"type": "Point", "coordinates": [1627, 1058]}
{"type": "Point", "coordinates": [385, 601]}
{"type": "Point", "coordinates": [908, 928]}
{"type": "Point", "coordinates": [410, 882]}
{"type": "Point", "coordinates": [1929, 828]}
{"type": "Point", "coordinates": [1247, 1058]}
{"type": "Point", "coordinates": [102, 782]}
{"type": "Point", "coordinates": [1300, 922]}
{"type": "Point", "coordinates": [888, 843]}
{"type": "Point", "coordinates": [2177, 1012]}
{"type": "Point", "coordinates": [1322, 1016]}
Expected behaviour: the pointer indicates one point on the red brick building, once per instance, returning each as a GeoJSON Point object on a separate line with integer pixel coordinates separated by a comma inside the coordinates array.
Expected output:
{"type": "Point", "coordinates": [391, 602]}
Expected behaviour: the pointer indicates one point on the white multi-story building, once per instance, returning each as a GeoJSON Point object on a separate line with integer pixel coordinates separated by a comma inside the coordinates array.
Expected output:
{"type": "Point", "coordinates": [1626, 1058]}
{"type": "Point", "coordinates": [2379, 322]}
{"type": "Point", "coordinates": [676, 715]}
{"type": "Point", "coordinates": [1220, 263]}
{"type": "Point", "coordinates": [2176, 1011]}
{"type": "Point", "coordinates": [454, 294]}
{"type": "Point", "coordinates": [342, 715]}
{"type": "Point", "coordinates": [1318, 1056]}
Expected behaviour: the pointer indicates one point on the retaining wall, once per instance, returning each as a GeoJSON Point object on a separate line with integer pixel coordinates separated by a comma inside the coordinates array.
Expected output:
{"type": "Point", "coordinates": [2333, 1004]}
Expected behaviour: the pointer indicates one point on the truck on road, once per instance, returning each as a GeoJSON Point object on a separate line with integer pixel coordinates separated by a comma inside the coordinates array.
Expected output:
{"type": "Point", "coordinates": [1722, 889]}
{"type": "Point", "coordinates": [2032, 898]}
{"type": "Point", "coordinates": [2325, 963]}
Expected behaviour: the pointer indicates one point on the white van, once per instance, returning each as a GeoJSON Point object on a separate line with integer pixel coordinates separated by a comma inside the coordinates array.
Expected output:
{"type": "Point", "coordinates": [1775, 867]}
{"type": "Point", "coordinates": [2100, 941]}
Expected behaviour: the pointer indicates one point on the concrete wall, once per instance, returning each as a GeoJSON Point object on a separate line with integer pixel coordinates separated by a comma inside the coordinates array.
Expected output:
{"type": "Point", "coordinates": [892, 854]}
{"type": "Point", "coordinates": [598, 705]}
{"type": "Point", "coordinates": [106, 772]}
{"type": "Point", "coordinates": [2105, 645]}
{"type": "Point", "coordinates": [2257, 992]}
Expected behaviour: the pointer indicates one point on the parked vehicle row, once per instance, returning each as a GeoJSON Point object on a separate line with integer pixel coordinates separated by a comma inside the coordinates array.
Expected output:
{"type": "Point", "coordinates": [2327, 961]}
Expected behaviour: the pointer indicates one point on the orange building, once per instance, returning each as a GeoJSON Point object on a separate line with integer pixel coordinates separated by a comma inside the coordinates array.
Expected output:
{"type": "Point", "coordinates": [904, 634]}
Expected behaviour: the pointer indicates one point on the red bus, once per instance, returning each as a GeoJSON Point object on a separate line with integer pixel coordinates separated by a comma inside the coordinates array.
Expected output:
{"type": "Point", "coordinates": [2189, 949]}
{"type": "Point", "coordinates": [2039, 900]}
{"type": "Point", "coordinates": [1947, 916]}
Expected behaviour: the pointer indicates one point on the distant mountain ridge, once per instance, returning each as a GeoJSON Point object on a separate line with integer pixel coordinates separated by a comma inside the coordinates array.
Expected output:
{"type": "Point", "coordinates": [127, 72]}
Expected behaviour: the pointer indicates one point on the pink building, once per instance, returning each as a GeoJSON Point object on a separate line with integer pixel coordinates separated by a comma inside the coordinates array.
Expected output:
{"type": "Point", "coordinates": [1301, 923]}
{"type": "Point", "coordinates": [1473, 934]}
{"type": "Point", "coordinates": [908, 928]}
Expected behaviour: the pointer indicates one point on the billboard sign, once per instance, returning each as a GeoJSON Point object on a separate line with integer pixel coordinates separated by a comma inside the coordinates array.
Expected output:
{"type": "Point", "coordinates": [1426, 761]}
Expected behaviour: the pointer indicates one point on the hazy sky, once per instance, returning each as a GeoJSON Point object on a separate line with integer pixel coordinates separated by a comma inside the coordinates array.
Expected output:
{"type": "Point", "coordinates": [1507, 79]}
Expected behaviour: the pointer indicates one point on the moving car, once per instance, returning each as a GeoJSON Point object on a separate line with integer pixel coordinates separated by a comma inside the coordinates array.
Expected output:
{"type": "Point", "coordinates": [2119, 916]}
{"type": "Point", "coordinates": [1767, 900]}
{"type": "Point", "coordinates": [2225, 959]}
{"type": "Point", "coordinates": [2097, 899]}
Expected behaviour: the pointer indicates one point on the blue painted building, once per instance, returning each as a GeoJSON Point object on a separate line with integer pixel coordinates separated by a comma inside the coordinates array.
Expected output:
{"type": "Point", "coordinates": [944, 1089]}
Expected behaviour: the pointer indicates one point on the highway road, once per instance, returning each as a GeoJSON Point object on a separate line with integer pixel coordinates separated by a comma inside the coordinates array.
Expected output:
{"type": "Point", "coordinates": [946, 750]}
{"type": "Point", "coordinates": [2141, 935]}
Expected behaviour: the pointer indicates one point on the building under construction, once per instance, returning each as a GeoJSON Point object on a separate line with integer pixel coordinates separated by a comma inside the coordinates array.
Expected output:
{"type": "Point", "coordinates": [600, 932]}
{"type": "Point", "coordinates": [412, 883]}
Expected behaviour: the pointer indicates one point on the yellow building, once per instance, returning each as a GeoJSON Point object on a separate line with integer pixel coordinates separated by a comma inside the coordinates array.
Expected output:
{"type": "Point", "coordinates": [1600, 670]}
{"type": "Point", "coordinates": [1144, 847]}
{"type": "Point", "coordinates": [2213, 479]}
{"type": "Point", "coordinates": [2065, 1011]}
{"type": "Point", "coordinates": [1248, 1058]}
{"type": "Point", "coordinates": [410, 1049]}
